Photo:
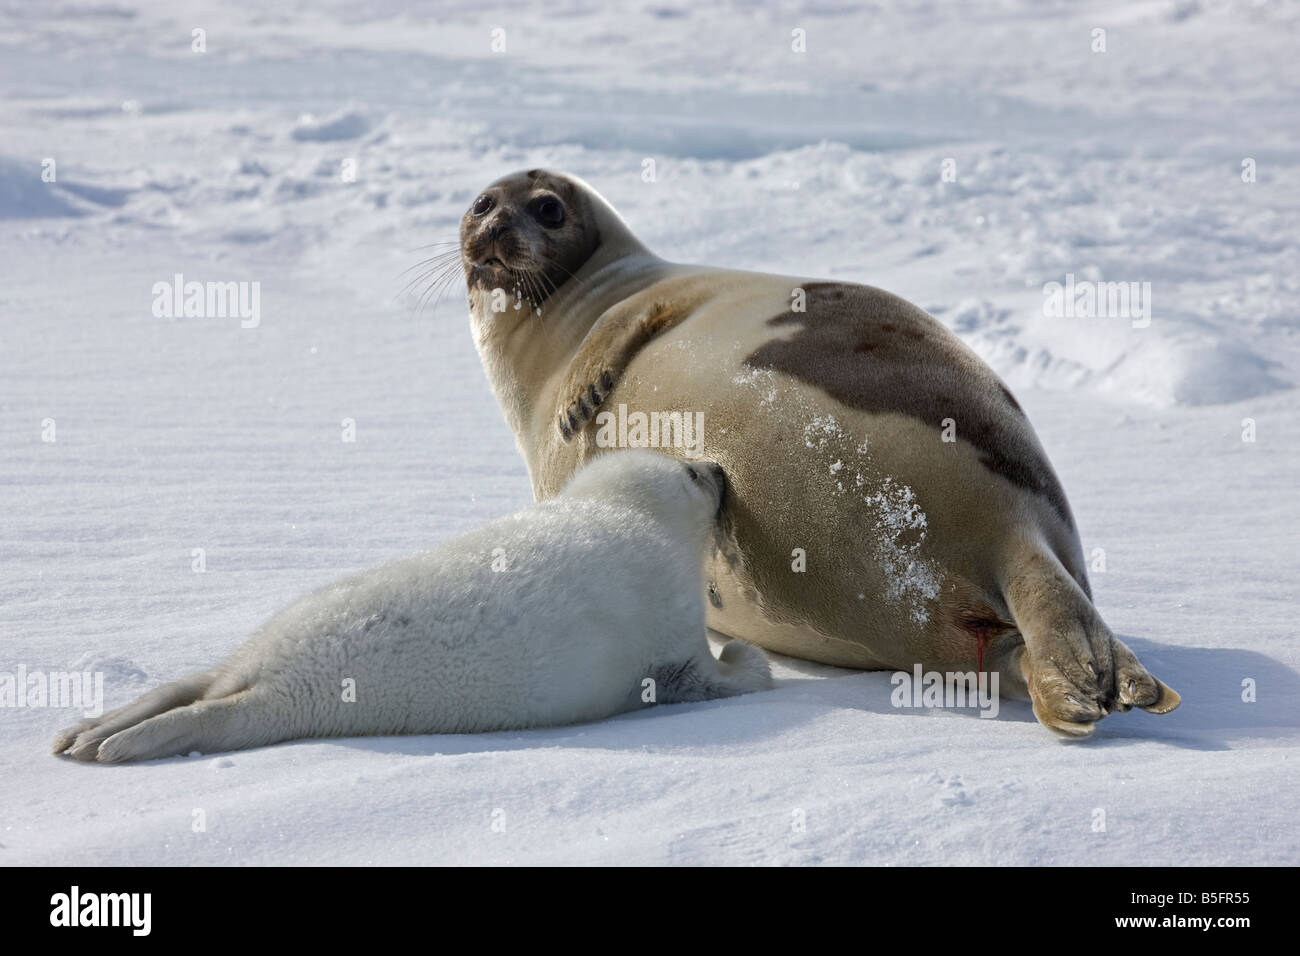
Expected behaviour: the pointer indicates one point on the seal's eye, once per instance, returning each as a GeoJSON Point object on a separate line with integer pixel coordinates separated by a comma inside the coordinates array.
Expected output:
{"type": "Point", "coordinates": [549, 213]}
{"type": "Point", "coordinates": [481, 206]}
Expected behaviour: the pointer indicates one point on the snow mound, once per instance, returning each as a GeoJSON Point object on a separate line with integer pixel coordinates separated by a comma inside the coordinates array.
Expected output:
{"type": "Point", "coordinates": [23, 194]}
{"type": "Point", "coordinates": [1171, 373]}
{"type": "Point", "coordinates": [1175, 361]}
{"type": "Point", "coordinates": [348, 124]}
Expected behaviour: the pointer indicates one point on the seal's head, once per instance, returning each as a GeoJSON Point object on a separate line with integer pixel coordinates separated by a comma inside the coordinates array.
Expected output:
{"type": "Point", "coordinates": [528, 232]}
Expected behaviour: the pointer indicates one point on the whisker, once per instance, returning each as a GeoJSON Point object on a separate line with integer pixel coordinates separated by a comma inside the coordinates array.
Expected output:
{"type": "Point", "coordinates": [443, 242]}
{"type": "Point", "coordinates": [440, 258]}
{"type": "Point", "coordinates": [439, 286]}
{"type": "Point", "coordinates": [436, 270]}
{"type": "Point", "coordinates": [433, 276]}
{"type": "Point", "coordinates": [446, 283]}
{"type": "Point", "coordinates": [534, 280]}
{"type": "Point", "coordinates": [436, 265]}
{"type": "Point", "coordinates": [548, 281]}
{"type": "Point", "coordinates": [520, 290]}
{"type": "Point", "coordinates": [535, 294]}
{"type": "Point", "coordinates": [425, 296]}
{"type": "Point", "coordinates": [568, 273]}
{"type": "Point", "coordinates": [541, 281]}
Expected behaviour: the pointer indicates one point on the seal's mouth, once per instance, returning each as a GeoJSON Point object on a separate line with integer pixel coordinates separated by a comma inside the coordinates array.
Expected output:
{"type": "Point", "coordinates": [495, 267]}
{"type": "Point", "coordinates": [522, 278]}
{"type": "Point", "coordinates": [492, 270]}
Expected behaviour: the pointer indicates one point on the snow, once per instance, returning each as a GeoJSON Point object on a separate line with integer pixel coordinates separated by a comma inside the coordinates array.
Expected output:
{"type": "Point", "coordinates": [176, 434]}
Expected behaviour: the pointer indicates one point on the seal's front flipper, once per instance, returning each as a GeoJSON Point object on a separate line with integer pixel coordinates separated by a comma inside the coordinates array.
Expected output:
{"type": "Point", "coordinates": [583, 408]}
{"type": "Point", "coordinates": [615, 339]}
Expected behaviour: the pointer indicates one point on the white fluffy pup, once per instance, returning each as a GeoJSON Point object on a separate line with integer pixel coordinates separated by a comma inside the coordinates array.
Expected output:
{"type": "Point", "coordinates": [555, 615]}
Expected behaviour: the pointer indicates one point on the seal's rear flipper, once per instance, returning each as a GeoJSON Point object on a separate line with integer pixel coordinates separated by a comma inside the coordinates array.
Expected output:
{"type": "Point", "coordinates": [82, 740]}
{"type": "Point", "coordinates": [1167, 701]}
{"type": "Point", "coordinates": [1076, 671]}
{"type": "Point", "coordinates": [209, 726]}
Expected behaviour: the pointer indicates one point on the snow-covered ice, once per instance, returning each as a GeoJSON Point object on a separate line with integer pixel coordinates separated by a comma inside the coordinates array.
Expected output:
{"type": "Point", "coordinates": [236, 164]}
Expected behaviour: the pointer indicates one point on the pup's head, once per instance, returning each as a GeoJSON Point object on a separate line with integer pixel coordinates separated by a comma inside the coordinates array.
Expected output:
{"type": "Point", "coordinates": [686, 495]}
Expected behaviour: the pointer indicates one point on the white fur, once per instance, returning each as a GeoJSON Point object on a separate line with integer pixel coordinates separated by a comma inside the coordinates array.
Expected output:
{"type": "Point", "coordinates": [602, 590]}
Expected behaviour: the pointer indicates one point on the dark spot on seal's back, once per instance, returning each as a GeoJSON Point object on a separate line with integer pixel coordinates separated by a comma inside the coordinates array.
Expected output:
{"type": "Point", "coordinates": [911, 366]}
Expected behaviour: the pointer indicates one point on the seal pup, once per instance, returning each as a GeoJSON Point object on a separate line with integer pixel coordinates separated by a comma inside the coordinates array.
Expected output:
{"type": "Point", "coordinates": [584, 606]}
{"type": "Point", "coordinates": [891, 503]}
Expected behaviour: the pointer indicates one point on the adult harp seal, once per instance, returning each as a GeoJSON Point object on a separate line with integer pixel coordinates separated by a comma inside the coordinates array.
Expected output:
{"type": "Point", "coordinates": [892, 505]}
